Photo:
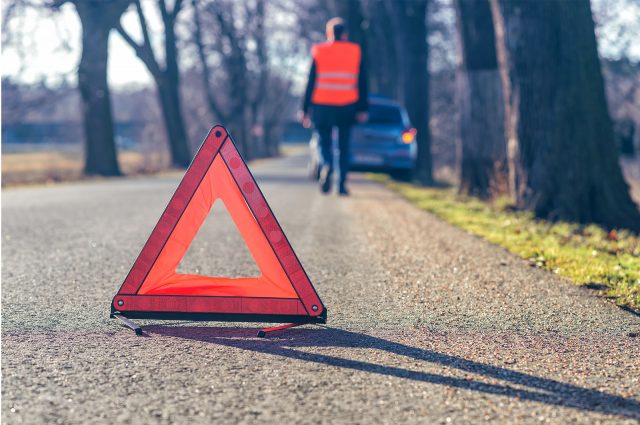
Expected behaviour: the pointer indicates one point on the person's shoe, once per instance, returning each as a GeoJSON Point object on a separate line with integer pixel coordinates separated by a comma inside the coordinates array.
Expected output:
{"type": "Point", "coordinates": [343, 190]}
{"type": "Point", "coordinates": [325, 180]}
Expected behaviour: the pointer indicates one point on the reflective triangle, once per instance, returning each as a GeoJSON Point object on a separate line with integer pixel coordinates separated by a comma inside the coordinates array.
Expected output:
{"type": "Point", "coordinates": [218, 172]}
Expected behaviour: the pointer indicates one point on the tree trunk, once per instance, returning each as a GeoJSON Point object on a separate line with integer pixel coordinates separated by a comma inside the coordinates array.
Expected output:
{"type": "Point", "coordinates": [562, 155]}
{"type": "Point", "coordinates": [174, 124]}
{"type": "Point", "coordinates": [414, 53]}
{"type": "Point", "coordinates": [169, 88]}
{"type": "Point", "coordinates": [483, 166]}
{"type": "Point", "coordinates": [100, 149]}
{"type": "Point", "coordinates": [381, 51]}
{"type": "Point", "coordinates": [257, 125]}
{"type": "Point", "coordinates": [351, 12]}
{"type": "Point", "coordinates": [239, 110]}
{"type": "Point", "coordinates": [167, 79]}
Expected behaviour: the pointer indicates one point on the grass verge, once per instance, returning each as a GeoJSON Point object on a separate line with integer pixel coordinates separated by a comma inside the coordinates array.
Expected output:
{"type": "Point", "coordinates": [20, 168]}
{"type": "Point", "coordinates": [588, 255]}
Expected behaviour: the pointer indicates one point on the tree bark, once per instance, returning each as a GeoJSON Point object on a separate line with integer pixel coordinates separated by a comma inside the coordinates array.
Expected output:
{"type": "Point", "coordinates": [413, 53]}
{"type": "Point", "coordinates": [483, 166]}
{"type": "Point", "coordinates": [562, 155]}
{"type": "Point", "coordinates": [168, 92]}
{"type": "Point", "coordinates": [259, 135]}
{"type": "Point", "coordinates": [97, 19]}
{"type": "Point", "coordinates": [351, 12]}
{"type": "Point", "coordinates": [382, 57]}
{"type": "Point", "coordinates": [169, 87]}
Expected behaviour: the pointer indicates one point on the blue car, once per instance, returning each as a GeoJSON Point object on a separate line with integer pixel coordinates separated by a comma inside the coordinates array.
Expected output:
{"type": "Point", "coordinates": [386, 142]}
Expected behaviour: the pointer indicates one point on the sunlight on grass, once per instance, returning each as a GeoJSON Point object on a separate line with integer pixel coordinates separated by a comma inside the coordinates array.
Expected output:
{"type": "Point", "coordinates": [587, 255]}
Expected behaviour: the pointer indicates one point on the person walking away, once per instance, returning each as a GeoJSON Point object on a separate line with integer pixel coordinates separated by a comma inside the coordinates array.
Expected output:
{"type": "Point", "coordinates": [336, 97]}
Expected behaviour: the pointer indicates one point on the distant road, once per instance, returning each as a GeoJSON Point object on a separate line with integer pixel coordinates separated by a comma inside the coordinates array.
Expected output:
{"type": "Point", "coordinates": [427, 324]}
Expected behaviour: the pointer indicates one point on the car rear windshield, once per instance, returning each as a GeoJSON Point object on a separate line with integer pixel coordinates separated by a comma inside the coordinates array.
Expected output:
{"type": "Point", "coordinates": [384, 114]}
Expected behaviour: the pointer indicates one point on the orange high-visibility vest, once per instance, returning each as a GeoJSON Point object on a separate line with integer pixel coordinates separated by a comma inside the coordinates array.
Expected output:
{"type": "Point", "coordinates": [337, 69]}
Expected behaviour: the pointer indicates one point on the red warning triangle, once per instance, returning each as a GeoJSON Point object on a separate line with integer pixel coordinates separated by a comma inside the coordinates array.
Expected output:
{"type": "Point", "coordinates": [281, 293]}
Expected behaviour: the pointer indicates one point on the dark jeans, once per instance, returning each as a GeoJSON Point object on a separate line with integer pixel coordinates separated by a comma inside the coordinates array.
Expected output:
{"type": "Point", "coordinates": [325, 118]}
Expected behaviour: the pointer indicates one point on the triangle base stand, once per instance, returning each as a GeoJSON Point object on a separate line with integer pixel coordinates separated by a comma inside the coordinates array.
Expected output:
{"type": "Point", "coordinates": [263, 333]}
{"type": "Point", "coordinates": [128, 323]}
{"type": "Point", "coordinates": [297, 320]}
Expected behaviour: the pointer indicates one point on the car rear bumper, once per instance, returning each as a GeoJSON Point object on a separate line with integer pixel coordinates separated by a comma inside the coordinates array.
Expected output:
{"type": "Point", "coordinates": [378, 168]}
{"type": "Point", "coordinates": [382, 159]}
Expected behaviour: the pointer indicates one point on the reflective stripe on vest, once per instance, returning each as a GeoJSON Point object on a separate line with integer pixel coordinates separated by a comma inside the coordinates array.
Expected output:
{"type": "Point", "coordinates": [337, 68]}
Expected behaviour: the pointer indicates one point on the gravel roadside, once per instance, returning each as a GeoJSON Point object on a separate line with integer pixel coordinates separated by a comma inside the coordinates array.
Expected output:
{"type": "Point", "coordinates": [427, 324]}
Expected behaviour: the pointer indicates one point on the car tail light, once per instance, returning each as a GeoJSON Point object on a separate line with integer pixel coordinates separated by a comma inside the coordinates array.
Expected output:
{"type": "Point", "coordinates": [408, 136]}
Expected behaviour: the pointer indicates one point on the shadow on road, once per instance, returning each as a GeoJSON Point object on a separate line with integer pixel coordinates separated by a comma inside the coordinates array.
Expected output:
{"type": "Point", "coordinates": [537, 389]}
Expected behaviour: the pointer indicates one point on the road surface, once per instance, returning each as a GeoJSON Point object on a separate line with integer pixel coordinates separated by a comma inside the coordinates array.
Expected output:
{"type": "Point", "coordinates": [427, 324]}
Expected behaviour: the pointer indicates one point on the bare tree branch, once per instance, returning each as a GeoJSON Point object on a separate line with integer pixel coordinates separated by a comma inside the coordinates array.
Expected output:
{"type": "Point", "coordinates": [177, 6]}
{"type": "Point", "coordinates": [211, 100]}
{"type": "Point", "coordinates": [144, 51]}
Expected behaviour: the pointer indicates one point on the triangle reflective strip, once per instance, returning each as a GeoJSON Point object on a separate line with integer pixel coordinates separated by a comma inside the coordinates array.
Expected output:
{"type": "Point", "coordinates": [153, 285]}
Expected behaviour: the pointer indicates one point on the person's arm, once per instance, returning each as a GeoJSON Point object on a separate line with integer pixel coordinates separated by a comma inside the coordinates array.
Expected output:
{"type": "Point", "coordinates": [311, 83]}
{"type": "Point", "coordinates": [363, 88]}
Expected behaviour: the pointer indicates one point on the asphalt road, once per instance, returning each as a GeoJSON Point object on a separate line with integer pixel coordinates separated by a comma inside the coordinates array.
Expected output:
{"type": "Point", "coordinates": [427, 324]}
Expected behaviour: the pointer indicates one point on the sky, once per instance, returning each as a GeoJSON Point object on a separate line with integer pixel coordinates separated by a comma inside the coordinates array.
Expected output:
{"type": "Point", "coordinates": [53, 43]}
{"type": "Point", "coordinates": [54, 49]}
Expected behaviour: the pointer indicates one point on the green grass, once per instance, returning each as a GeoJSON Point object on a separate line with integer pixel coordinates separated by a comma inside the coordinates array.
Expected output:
{"type": "Point", "coordinates": [587, 255]}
